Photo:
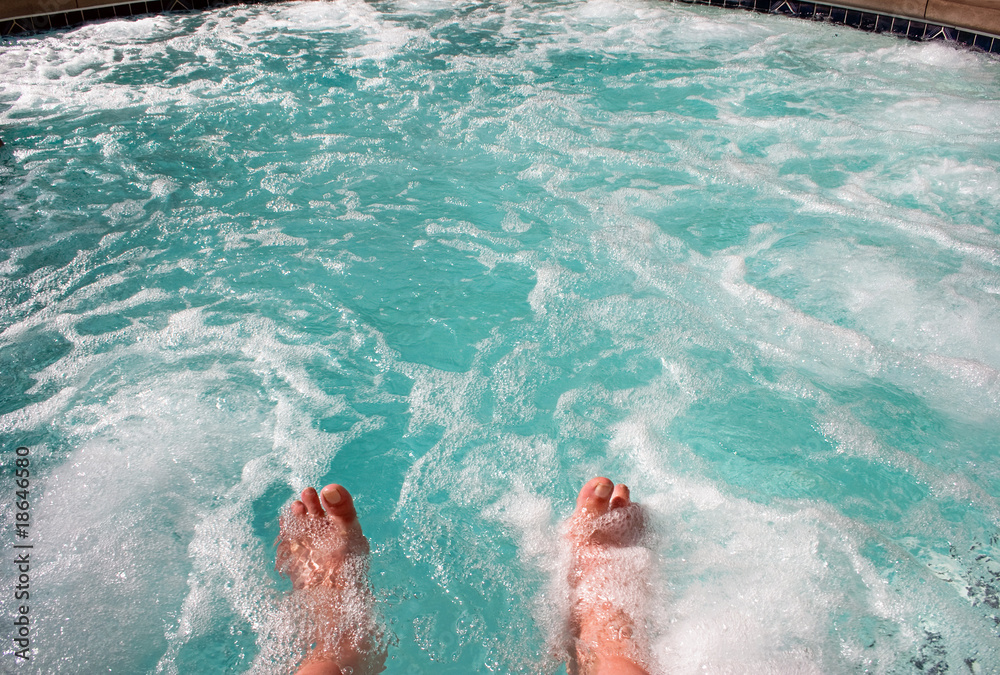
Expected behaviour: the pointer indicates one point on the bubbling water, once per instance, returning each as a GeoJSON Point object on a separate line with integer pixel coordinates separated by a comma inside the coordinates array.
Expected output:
{"type": "Point", "coordinates": [461, 258]}
{"type": "Point", "coordinates": [332, 611]}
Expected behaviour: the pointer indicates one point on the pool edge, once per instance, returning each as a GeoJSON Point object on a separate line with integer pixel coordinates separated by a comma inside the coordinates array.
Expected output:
{"type": "Point", "coordinates": [865, 18]}
{"type": "Point", "coordinates": [94, 10]}
{"type": "Point", "coordinates": [866, 15]}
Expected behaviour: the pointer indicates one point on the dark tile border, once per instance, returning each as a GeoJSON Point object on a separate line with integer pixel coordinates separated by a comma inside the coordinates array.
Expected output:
{"type": "Point", "coordinates": [75, 17]}
{"type": "Point", "coordinates": [873, 22]}
{"type": "Point", "coordinates": [869, 21]}
{"type": "Point", "coordinates": [913, 29]}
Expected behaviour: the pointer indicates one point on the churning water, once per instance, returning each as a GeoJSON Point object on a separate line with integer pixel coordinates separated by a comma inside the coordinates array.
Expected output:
{"type": "Point", "coordinates": [461, 257]}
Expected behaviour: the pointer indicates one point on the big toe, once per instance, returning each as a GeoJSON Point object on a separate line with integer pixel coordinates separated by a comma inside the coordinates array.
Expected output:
{"type": "Point", "coordinates": [339, 504]}
{"type": "Point", "coordinates": [595, 496]}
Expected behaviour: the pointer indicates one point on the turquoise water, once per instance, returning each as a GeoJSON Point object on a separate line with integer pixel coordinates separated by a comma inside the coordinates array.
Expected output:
{"type": "Point", "coordinates": [461, 257]}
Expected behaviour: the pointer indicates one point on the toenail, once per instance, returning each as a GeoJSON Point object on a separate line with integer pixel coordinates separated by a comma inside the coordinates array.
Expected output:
{"type": "Point", "coordinates": [332, 496]}
{"type": "Point", "coordinates": [603, 490]}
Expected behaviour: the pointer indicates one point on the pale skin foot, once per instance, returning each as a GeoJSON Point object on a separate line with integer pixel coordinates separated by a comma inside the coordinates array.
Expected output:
{"type": "Point", "coordinates": [607, 582]}
{"type": "Point", "coordinates": [321, 548]}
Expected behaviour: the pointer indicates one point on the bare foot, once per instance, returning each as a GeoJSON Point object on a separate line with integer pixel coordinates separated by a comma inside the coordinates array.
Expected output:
{"type": "Point", "coordinates": [607, 582]}
{"type": "Point", "coordinates": [322, 550]}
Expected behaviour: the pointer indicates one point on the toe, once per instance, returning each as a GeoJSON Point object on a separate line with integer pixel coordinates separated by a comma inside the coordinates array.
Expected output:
{"type": "Point", "coordinates": [620, 497]}
{"type": "Point", "coordinates": [339, 504]}
{"type": "Point", "coordinates": [311, 501]}
{"type": "Point", "coordinates": [595, 496]}
{"type": "Point", "coordinates": [298, 508]}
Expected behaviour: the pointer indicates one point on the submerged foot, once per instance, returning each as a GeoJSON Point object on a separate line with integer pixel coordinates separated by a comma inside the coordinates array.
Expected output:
{"type": "Point", "coordinates": [322, 550]}
{"type": "Point", "coordinates": [607, 582]}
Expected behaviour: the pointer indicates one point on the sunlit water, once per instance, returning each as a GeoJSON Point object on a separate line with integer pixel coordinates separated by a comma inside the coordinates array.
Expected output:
{"type": "Point", "coordinates": [462, 257]}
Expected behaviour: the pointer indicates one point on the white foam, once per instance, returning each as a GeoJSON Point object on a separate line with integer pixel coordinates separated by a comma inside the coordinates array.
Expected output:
{"type": "Point", "coordinates": [150, 411]}
{"type": "Point", "coordinates": [114, 536]}
{"type": "Point", "coordinates": [143, 467]}
{"type": "Point", "coordinates": [738, 588]}
{"type": "Point", "coordinates": [57, 74]}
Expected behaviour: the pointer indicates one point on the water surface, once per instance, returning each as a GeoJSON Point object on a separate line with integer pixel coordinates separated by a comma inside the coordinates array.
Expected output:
{"type": "Point", "coordinates": [461, 257]}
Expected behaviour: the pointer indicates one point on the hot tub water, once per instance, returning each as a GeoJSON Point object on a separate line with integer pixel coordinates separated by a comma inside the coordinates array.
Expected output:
{"type": "Point", "coordinates": [462, 257]}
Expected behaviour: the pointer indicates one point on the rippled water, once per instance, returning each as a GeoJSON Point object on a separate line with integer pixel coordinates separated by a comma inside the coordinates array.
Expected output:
{"type": "Point", "coordinates": [461, 257]}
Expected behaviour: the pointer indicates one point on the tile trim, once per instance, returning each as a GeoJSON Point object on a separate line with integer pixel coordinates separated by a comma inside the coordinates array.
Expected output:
{"type": "Point", "coordinates": [863, 19]}
{"type": "Point", "coordinates": [838, 14]}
